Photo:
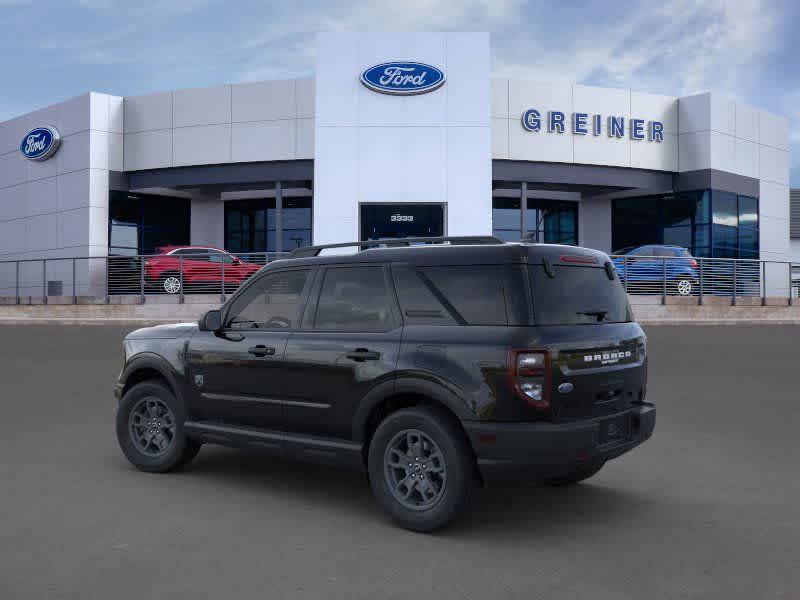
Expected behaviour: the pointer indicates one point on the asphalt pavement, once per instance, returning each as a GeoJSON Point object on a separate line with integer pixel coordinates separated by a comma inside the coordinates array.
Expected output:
{"type": "Point", "coordinates": [708, 508]}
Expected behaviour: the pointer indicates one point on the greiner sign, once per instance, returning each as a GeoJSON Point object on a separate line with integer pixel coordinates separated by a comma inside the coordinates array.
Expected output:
{"type": "Point", "coordinates": [593, 124]}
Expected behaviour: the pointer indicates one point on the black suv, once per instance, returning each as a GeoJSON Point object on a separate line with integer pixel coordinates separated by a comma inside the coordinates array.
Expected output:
{"type": "Point", "coordinates": [434, 368]}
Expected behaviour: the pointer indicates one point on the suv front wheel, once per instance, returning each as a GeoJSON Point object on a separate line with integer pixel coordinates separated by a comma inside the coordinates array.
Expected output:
{"type": "Point", "coordinates": [150, 429]}
{"type": "Point", "coordinates": [421, 468]}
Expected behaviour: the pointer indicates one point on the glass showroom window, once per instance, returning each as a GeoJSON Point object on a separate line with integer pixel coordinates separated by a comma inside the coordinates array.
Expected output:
{"type": "Point", "coordinates": [707, 223]}
{"type": "Point", "coordinates": [748, 227]}
{"type": "Point", "coordinates": [543, 220]}
{"type": "Point", "coordinates": [506, 212]}
{"type": "Point", "coordinates": [506, 219]}
{"type": "Point", "coordinates": [686, 221]}
{"type": "Point", "coordinates": [250, 225]}
{"type": "Point", "coordinates": [278, 222]}
{"type": "Point", "coordinates": [296, 214]}
{"type": "Point", "coordinates": [141, 223]}
{"type": "Point", "coordinates": [552, 221]}
{"type": "Point", "coordinates": [296, 222]}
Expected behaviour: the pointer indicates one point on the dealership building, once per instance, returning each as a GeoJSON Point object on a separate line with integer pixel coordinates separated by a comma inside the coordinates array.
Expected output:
{"type": "Point", "coordinates": [396, 134]}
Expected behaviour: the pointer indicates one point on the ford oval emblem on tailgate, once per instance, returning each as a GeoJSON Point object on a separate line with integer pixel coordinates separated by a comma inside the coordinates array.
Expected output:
{"type": "Point", "coordinates": [566, 387]}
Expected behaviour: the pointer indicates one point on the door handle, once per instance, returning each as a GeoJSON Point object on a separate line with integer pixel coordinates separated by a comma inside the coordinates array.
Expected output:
{"type": "Point", "coordinates": [361, 354]}
{"type": "Point", "coordinates": [261, 350]}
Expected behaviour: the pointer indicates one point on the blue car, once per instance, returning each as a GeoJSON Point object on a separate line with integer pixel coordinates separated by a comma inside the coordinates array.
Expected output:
{"type": "Point", "coordinates": [644, 268]}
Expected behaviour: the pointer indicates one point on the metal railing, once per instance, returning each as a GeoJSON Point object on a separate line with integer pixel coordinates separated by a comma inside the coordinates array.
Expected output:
{"type": "Point", "coordinates": [702, 279]}
{"type": "Point", "coordinates": [135, 278]}
{"type": "Point", "coordinates": [193, 277]}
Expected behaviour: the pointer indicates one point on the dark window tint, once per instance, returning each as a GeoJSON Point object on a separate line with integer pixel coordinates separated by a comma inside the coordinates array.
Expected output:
{"type": "Point", "coordinates": [577, 295]}
{"type": "Point", "coordinates": [220, 257]}
{"type": "Point", "coordinates": [140, 223]}
{"type": "Point", "coordinates": [354, 299]}
{"type": "Point", "coordinates": [193, 254]}
{"type": "Point", "coordinates": [296, 222]}
{"type": "Point", "coordinates": [417, 301]}
{"type": "Point", "coordinates": [250, 225]}
{"type": "Point", "coordinates": [669, 251]}
{"type": "Point", "coordinates": [473, 293]}
{"type": "Point", "coordinates": [272, 302]}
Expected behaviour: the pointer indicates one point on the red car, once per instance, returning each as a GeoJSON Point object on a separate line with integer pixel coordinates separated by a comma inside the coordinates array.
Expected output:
{"type": "Point", "coordinates": [203, 269]}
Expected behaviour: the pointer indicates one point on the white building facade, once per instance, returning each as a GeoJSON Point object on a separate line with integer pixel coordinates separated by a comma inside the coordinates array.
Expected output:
{"type": "Point", "coordinates": [273, 165]}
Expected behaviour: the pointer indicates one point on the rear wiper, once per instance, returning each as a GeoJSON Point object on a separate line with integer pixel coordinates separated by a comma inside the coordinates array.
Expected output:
{"type": "Point", "coordinates": [600, 314]}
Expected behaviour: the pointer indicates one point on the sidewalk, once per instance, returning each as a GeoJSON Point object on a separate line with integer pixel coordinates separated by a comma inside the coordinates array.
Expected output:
{"type": "Point", "coordinates": [166, 309]}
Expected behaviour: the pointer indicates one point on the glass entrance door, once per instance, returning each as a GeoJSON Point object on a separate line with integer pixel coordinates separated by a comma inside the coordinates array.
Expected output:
{"type": "Point", "coordinates": [401, 220]}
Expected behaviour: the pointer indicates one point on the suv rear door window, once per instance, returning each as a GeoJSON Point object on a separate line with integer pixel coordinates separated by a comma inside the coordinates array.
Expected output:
{"type": "Point", "coordinates": [577, 296]}
{"type": "Point", "coordinates": [474, 292]}
{"type": "Point", "coordinates": [354, 299]}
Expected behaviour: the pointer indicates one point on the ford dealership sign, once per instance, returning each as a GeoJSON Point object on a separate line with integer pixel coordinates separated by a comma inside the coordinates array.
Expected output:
{"type": "Point", "coordinates": [402, 78]}
{"type": "Point", "coordinates": [584, 123]}
{"type": "Point", "coordinates": [40, 143]}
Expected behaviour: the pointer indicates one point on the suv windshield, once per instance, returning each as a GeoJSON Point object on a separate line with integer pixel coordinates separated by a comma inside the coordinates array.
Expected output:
{"type": "Point", "coordinates": [577, 296]}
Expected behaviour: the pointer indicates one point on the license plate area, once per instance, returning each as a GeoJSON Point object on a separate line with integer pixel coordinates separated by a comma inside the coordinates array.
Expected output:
{"type": "Point", "coordinates": [614, 430]}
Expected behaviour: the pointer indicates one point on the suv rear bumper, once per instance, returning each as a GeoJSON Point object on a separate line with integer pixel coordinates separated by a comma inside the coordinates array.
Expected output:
{"type": "Point", "coordinates": [537, 451]}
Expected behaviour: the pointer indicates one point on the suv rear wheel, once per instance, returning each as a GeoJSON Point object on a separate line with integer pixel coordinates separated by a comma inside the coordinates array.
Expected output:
{"type": "Point", "coordinates": [421, 468]}
{"type": "Point", "coordinates": [150, 429]}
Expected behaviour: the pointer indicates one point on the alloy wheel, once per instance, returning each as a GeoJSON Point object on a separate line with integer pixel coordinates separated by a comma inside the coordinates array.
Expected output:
{"type": "Point", "coordinates": [152, 426]}
{"type": "Point", "coordinates": [172, 285]}
{"type": "Point", "coordinates": [684, 287]}
{"type": "Point", "coordinates": [415, 470]}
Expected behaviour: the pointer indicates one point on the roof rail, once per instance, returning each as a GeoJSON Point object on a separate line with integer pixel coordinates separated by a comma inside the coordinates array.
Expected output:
{"type": "Point", "coordinates": [309, 251]}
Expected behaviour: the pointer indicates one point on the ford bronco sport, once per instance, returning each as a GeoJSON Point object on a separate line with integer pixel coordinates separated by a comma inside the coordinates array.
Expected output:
{"type": "Point", "coordinates": [434, 368]}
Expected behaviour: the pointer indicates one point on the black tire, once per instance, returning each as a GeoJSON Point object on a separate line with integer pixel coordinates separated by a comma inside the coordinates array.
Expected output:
{"type": "Point", "coordinates": [453, 494]}
{"type": "Point", "coordinates": [178, 450]}
{"type": "Point", "coordinates": [576, 476]}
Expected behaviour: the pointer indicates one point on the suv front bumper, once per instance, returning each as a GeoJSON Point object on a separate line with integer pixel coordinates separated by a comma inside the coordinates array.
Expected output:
{"type": "Point", "coordinates": [538, 451]}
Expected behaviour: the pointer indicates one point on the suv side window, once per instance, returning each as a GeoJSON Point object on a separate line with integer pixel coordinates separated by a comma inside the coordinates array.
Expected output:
{"type": "Point", "coordinates": [272, 302]}
{"type": "Point", "coordinates": [354, 299]}
{"type": "Point", "coordinates": [474, 292]}
{"type": "Point", "coordinates": [192, 254]}
{"type": "Point", "coordinates": [417, 300]}
{"type": "Point", "coordinates": [219, 257]}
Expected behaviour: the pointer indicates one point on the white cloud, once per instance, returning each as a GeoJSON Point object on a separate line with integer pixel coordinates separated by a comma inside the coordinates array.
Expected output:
{"type": "Point", "coordinates": [283, 54]}
{"type": "Point", "coordinates": [676, 47]}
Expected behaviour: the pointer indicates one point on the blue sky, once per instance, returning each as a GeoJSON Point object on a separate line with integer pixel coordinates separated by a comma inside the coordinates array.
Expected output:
{"type": "Point", "coordinates": [747, 49]}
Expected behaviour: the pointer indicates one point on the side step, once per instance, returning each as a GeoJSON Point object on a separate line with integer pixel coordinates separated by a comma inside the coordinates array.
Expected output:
{"type": "Point", "coordinates": [330, 451]}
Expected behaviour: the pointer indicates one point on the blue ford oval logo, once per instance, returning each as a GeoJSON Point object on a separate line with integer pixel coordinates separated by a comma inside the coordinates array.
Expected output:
{"type": "Point", "coordinates": [40, 143]}
{"type": "Point", "coordinates": [402, 78]}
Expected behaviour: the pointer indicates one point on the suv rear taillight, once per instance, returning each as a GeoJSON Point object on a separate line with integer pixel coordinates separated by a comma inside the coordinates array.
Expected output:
{"type": "Point", "coordinates": [529, 376]}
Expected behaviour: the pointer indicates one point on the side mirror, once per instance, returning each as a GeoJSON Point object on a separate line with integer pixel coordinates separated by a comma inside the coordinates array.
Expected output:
{"type": "Point", "coordinates": [211, 321]}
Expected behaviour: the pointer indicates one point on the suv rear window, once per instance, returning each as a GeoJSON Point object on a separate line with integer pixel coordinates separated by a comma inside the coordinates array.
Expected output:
{"type": "Point", "coordinates": [577, 296]}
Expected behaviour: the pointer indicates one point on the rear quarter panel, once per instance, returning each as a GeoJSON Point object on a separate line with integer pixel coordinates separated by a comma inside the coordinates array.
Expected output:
{"type": "Point", "coordinates": [472, 363]}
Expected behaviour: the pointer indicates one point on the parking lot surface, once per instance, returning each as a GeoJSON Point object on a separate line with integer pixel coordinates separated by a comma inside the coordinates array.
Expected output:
{"type": "Point", "coordinates": [706, 509]}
